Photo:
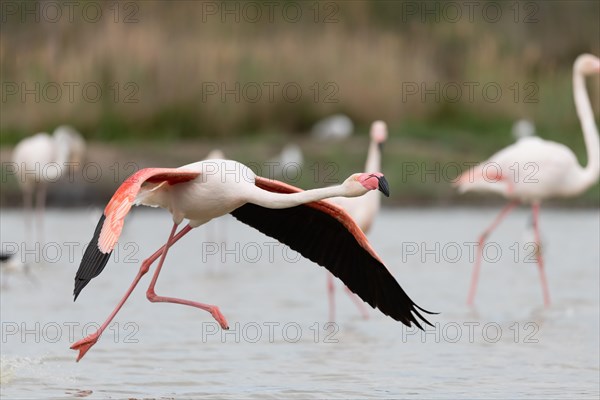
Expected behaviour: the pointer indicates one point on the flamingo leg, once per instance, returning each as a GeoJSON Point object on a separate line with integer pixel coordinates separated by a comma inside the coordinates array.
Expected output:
{"type": "Point", "coordinates": [359, 303]}
{"type": "Point", "coordinates": [28, 205]}
{"type": "Point", "coordinates": [331, 296]}
{"type": "Point", "coordinates": [86, 343]}
{"type": "Point", "coordinates": [540, 259]}
{"type": "Point", "coordinates": [154, 298]}
{"type": "Point", "coordinates": [211, 237]}
{"type": "Point", "coordinates": [331, 293]}
{"type": "Point", "coordinates": [222, 235]}
{"type": "Point", "coordinates": [40, 203]}
{"type": "Point", "coordinates": [216, 234]}
{"type": "Point", "coordinates": [481, 242]}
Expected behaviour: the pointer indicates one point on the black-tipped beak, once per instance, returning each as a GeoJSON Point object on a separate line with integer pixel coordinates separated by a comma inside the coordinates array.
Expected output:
{"type": "Point", "coordinates": [384, 187]}
{"type": "Point", "coordinates": [380, 146]}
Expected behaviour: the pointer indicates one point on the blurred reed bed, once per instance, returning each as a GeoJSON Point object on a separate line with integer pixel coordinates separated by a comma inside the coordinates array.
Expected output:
{"type": "Point", "coordinates": [370, 53]}
{"type": "Point", "coordinates": [374, 50]}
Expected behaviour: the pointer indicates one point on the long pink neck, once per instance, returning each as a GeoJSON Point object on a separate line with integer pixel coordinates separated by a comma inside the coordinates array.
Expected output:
{"type": "Point", "coordinates": [373, 163]}
{"type": "Point", "coordinates": [591, 172]}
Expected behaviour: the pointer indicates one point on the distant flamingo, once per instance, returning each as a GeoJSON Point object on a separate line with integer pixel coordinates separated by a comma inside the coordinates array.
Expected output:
{"type": "Point", "coordinates": [523, 128]}
{"type": "Point", "coordinates": [334, 127]}
{"type": "Point", "coordinates": [12, 264]}
{"type": "Point", "coordinates": [42, 159]}
{"type": "Point", "coordinates": [201, 191]}
{"type": "Point", "coordinates": [362, 209]}
{"type": "Point", "coordinates": [534, 169]}
{"type": "Point", "coordinates": [288, 162]}
{"type": "Point", "coordinates": [215, 154]}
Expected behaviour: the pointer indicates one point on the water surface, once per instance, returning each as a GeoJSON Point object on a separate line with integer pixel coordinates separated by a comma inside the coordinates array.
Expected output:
{"type": "Point", "coordinates": [508, 346]}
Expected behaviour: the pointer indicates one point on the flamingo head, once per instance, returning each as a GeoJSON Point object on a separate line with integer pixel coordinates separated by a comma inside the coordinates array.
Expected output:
{"type": "Point", "coordinates": [587, 64]}
{"type": "Point", "coordinates": [379, 133]}
{"type": "Point", "coordinates": [359, 184]}
{"type": "Point", "coordinates": [215, 154]}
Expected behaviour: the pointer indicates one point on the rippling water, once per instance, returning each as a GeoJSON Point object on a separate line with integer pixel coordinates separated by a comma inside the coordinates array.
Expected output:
{"type": "Point", "coordinates": [508, 346]}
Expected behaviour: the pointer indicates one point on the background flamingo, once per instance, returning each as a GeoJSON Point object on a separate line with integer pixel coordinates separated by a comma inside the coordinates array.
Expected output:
{"type": "Point", "coordinates": [523, 128]}
{"type": "Point", "coordinates": [42, 159]}
{"type": "Point", "coordinates": [205, 190]}
{"type": "Point", "coordinates": [291, 156]}
{"type": "Point", "coordinates": [334, 127]}
{"type": "Point", "coordinates": [362, 209]}
{"type": "Point", "coordinates": [12, 264]}
{"type": "Point", "coordinates": [534, 169]}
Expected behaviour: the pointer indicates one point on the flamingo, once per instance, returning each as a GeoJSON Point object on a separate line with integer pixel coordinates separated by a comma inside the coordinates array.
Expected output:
{"type": "Point", "coordinates": [42, 159]}
{"type": "Point", "coordinates": [523, 128]}
{"type": "Point", "coordinates": [204, 190]}
{"type": "Point", "coordinates": [334, 127]}
{"type": "Point", "coordinates": [215, 154]}
{"type": "Point", "coordinates": [290, 157]}
{"type": "Point", "coordinates": [12, 264]}
{"type": "Point", "coordinates": [533, 169]}
{"type": "Point", "coordinates": [362, 209]}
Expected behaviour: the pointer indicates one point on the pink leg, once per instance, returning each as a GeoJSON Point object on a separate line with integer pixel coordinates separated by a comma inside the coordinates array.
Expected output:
{"type": "Point", "coordinates": [484, 235]}
{"type": "Point", "coordinates": [211, 238]}
{"type": "Point", "coordinates": [331, 295]}
{"type": "Point", "coordinates": [86, 343]}
{"type": "Point", "coordinates": [40, 206]}
{"type": "Point", "coordinates": [540, 259]}
{"type": "Point", "coordinates": [28, 206]}
{"type": "Point", "coordinates": [358, 302]}
{"type": "Point", "coordinates": [153, 297]}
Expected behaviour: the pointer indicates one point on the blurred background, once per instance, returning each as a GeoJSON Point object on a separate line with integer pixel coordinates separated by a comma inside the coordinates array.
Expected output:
{"type": "Point", "coordinates": [163, 83]}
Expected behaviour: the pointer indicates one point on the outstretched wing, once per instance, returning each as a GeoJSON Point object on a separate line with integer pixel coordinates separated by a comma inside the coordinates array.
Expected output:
{"type": "Point", "coordinates": [110, 225]}
{"type": "Point", "coordinates": [327, 235]}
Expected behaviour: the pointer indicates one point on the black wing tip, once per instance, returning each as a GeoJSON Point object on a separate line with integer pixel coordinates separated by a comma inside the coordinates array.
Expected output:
{"type": "Point", "coordinates": [415, 313]}
{"type": "Point", "coordinates": [426, 311]}
{"type": "Point", "coordinates": [92, 263]}
{"type": "Point", "coordinates": [79, 285]}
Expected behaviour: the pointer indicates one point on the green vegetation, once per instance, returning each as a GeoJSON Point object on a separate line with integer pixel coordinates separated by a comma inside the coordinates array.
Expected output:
{"type": "Point", "coordinates": [175, 74]}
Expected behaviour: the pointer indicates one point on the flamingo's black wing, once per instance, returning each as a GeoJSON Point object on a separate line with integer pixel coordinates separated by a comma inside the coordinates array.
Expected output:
{"type": "Point", "coordinates": [93, 261]}
{"type": "Point", "coordinates": [325, 234]}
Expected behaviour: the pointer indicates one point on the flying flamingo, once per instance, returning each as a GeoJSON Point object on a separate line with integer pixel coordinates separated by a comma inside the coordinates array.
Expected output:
{"type": "Point", "coordinates": [534, 169]}
{"type": "Point", "coordinates": [204, 190]}
{"type": "Point", "coordinates": [42, 159]}
{"type": "Point", "coordinates": [362, 209]}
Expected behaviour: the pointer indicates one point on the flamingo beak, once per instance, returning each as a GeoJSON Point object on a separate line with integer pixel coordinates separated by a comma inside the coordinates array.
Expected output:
{"type": "Point", "coordinates": [380, 146]}
{"type": "Point", "coordinates": [384, 187]}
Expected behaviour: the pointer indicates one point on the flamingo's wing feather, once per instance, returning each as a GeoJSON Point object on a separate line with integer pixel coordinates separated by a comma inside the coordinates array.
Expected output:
{"type": "Point", "coordinates": [325, 234]}
{"type": "Point", "coordinates": [110, 225]}
{"type": "Point", "coordinates": [93, 261]}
